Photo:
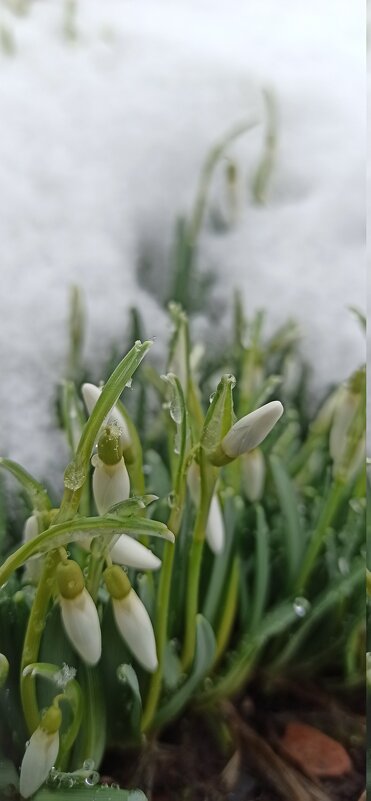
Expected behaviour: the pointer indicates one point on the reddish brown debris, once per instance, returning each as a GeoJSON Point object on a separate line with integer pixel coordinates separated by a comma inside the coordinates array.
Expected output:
{"type": "Point", "coordinates": [313, 752]}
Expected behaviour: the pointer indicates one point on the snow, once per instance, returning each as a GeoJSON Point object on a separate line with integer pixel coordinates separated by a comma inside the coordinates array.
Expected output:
{"type": "Point", "coordinates": [101, 145]}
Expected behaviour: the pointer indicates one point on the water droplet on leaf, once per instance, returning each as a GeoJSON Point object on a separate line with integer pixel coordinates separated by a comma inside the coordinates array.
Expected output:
{"type": "Point", "coordinates": [301, 606]}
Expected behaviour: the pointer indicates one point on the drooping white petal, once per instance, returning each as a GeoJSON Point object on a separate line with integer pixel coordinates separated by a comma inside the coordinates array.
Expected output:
{"type": "Point", "coordinates": [81, 623]}
{"type": "Point", "coordinates": [215, 534]}
{"type": "Point", "coordinates": [250, 431]}
{"type": "Point", "coordinates": [31, 528]}
{"type": "Point", "coordinates": [39, 758]}
{"type": "Point", "coordinates": [33, 566]}
{"type": "Point", "coordinates": [134, 624]}
{"type": "Point", "coordinates": [128, 551]}
{"type": "Point", "coordinates": [91, 394]}
{"type": "Point", "coordinates": [253, 474]}
{"type": "Point", "coordinates": [111, 484]}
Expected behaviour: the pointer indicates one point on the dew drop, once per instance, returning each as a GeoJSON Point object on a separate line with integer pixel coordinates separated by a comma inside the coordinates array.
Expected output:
{"type": "Point", "coordinates": [301, 606]}
{"type": "Point", "coordinates": [93, 779]}
{"type": "Point", "coordinates": [212, 396]}
{"type": "Point", "coordinates": [89, 764]}
{"type": "Point", "coordinates": [129, 383]}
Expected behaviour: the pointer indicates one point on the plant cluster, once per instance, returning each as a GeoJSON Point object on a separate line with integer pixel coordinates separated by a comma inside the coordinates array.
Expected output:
{"type": "Point", "coordinates": [199, 539]}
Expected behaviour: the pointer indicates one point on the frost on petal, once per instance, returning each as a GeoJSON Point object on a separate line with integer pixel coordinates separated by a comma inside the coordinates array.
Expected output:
{"type": "Point", "coordinates": [128, 551]}
{"type": "Point", "coordinates": [134, 624]}
{"type": "Point", "coordinates": [250, 431]}
{"type": "Point", "coordinates": [215, 535]}
{"type": "Point", "coordinates": [39, 758]}
{"type": "Point", "coordinates": [81, 623]}
{"type": "Point", "coordinates": [111, 485]}
{"type": "Point", "coordinates": [91, 394]}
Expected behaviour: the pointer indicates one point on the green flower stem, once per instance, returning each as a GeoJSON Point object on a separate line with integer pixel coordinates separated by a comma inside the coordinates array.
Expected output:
{"type": "Point", "coordinates": [194, 566]}
{"type": "Point", "coordinates": [32, 640]}
{"type": "Point", "coordinates": [229, 611]}
{"type": "Point", "coordinates": [194, 572]}
{"type": "Point", "coordinates": [93, 578]}
{"type": "Point", "coordinates": [334, 500]}
{"type": "Point", "coordinates": [161, 623]}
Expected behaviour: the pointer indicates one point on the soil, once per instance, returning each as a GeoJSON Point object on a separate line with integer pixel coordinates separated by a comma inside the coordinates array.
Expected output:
{"type": "Point", "coordinates": [239, 752]}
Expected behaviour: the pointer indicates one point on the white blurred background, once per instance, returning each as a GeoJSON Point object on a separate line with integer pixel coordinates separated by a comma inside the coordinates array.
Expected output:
{"type": "Point", "coordinates": [108, 109]}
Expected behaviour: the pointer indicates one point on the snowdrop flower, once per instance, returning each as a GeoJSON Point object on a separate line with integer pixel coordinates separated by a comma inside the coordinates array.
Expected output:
{"type": "Point", "coordinates": [41, 752]}
{"type": "Point", "coordinates": [249, 432]}
{"type": "Point", "coordinates": [253, 472]}
{"type": "Point", "coordinates": [128, 551]}
{"type": "Point", "coordinates": [132, 618]}
{"type": "Point", "coordinates": [33, 566]}
{"type": "Point", "coordinates": [91, 393]}
{"type": "Point", "coordinates": [111, 483]}
{"type": "Point", "coordinates": [215, 533]}
{"type": "Point", "coordinates": [79, 614]}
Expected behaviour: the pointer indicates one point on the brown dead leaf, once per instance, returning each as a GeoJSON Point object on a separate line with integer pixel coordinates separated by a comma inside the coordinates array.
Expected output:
{"type": "Point", "coordinates": [314, 752]}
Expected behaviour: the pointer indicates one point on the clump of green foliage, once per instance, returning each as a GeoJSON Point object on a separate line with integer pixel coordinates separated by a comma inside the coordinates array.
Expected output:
{"type": "Point", "coordinates": [276, 586]}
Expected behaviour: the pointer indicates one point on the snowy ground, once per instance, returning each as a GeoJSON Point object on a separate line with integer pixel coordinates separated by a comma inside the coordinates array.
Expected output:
{"type": "Point", "coordinates": [101, 144]}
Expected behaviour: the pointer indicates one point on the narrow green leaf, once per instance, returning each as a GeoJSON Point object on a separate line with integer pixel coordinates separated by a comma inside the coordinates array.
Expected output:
{"type": "Point", "coordinates": [36, 492]}
{"type": "Point", "coordinates": [132, 506]}
{"type": "Point", "coordinates": [178, 414]}
{"type": "Point", "coordinates": [293, 529]}
{"type": "Point", "coordinates": [128, 677]}
{"type": "Point", "coordinates": [76, 530]}
{"type": "Point", "coordinates": [204, 656]}
{"type": "Point", "coordinates": [73, 418]}
{"type": "Point", "coordinates": [321, 606]}
{"type": "Point", "coordinates": [244, 659]}
{"type": "Point", "coordinates": [262, 570]}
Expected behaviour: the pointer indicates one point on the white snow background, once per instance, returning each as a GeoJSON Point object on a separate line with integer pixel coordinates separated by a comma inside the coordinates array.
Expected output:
{"type": "Point", "coordinates": [101, 143]}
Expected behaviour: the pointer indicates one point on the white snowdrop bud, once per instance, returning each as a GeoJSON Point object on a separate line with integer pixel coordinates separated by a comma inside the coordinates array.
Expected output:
{"type": "Point", "coordinates": [253, 474]}
{"type": "Point", "coordinates": [128, 551]}
{"type": "Point", "coordinates": [249, 432]}
{"type": "Point", "coordinates": [41, 753]}
{"type": "Point", "coordinates": [132, 618]}
{"type": "Point", "coordinates": [79, 613]}
{"type": "Point", "coordinates": [91, 393]}
{"type": "Point", "coordinates": [111, 484]}
{"type": "Point", "coordinates": [33, 567]}
{"type": "Point", "coordinates": [215, 534]}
